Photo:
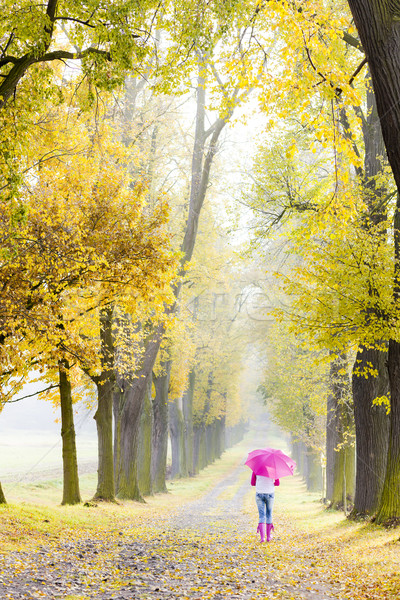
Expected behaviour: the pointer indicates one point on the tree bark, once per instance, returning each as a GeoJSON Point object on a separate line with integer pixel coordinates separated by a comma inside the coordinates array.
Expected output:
{"type": "Point", "coordinates": [145, 444]}
{"type": "Point", "coordinates": [188, 418]}
{"type": "Point", "coordinates": [235, 434]}
{"type": "Point", "coordinates": [372, 430]}
{"type": "Point", "coordinates": [299, 456]}
{"type": "Point", "coordinates": [296, 452]}
{"type": "Point", "coordinates": [199, 452]}
{"type": "Point", "coordinates": [128, 402]}
{"type": "Point", "coordinates": [2, 496]}
{"type": "Point", "coordinates": [177, 435]}
{"type": "Point", "coordinates": [210, 443]}
{"type": "Point", "coordinates": [371, 422]}
{"type": "Point", "coordinates": [378, 26]}
{"type": "Point", "coordinates": [71, 493]}
{"type": "Point", "coordinates": [389, 507]}
{"type": "Point", "coordinates": [196, 450]}
{"type": "Point", "coordinates": [220, 437]}
{"type": "Point", "coordinates": [104, 413]}
{"type": "Point", "coordinates": [314, 472]}
{"type": "Point", "coordinates": [160, 431]}
{"type": "Point", "coordinates": [339, 451]}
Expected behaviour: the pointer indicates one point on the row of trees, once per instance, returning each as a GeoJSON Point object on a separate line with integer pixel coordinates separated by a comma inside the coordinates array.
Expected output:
{"type": "Point", "coordinates": [326, 189]}
{"type": "Point", "coordinates": [98, 260]}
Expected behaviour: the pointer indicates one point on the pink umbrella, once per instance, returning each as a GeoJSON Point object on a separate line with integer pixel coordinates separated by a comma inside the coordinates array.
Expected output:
{"type": "Point", "coordinates": [270, 462]}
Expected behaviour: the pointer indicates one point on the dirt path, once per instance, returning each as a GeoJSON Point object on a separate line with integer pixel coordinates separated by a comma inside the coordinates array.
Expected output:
{"type": "Point", "coordinates": [206, 549]}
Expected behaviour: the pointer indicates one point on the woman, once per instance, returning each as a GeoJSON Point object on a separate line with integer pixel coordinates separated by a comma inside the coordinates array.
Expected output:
{"type": "Point", "coordinates": [265, 493]}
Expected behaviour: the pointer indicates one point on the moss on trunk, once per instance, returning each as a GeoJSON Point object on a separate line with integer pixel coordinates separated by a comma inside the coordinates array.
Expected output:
{"type": "Point", "coordinates": [314, 471]}
{"type": "Point", "coordinates": [188, 417]}
{"type": "Point", "coordinates": [389, 507]}
{"type": "Point", "coordinates": [71, 493]}
{"type": "Point", "coordinates": [145, 445]}
{"type": "Point", "coordinates": [2, 496]}
{"type": "Point", "coordinates": [177, 433]}
{"type": "Point", "coordinates": [103, 417]}
{"type": "Point", "coordinates": [127, 409]}
{"type": "Point", "coordinates": [160, 432]}
{"type": "Point", "coordinates": [372, 430]}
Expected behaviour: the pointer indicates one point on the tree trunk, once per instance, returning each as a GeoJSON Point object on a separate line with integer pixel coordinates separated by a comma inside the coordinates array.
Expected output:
{"type": "Point", "coordinates": [296, 452]}
{"type": "Point", "coordinates": [202, 448]}
{"type": "Point", "coordinates": [371, 422]}
{"type": "Point", "coordinates": [2, 496]}
{"type": "Point", "coordinates": [301, 462]}
{"type": "Point", "coordinates": [177, 433]}
{"type": "Point", "coordinates": [196, 450]}
{"type": "Point", "coordinates": [379, 29]}
{"type": "Point", "coordinates": [378, 25]}
{"type": "Point", "coordinates": [200, 452]}
{"type": "Point", "coordinates": [343, 474]}
{"type": "Point", "coordinates": [220, 437]}
{"type": "Point", "coordinates": [103, 417]}
{"type": "Point", "coordinates": [235, 434]}
{"type": "Point", "coordinates": [339, 430]}
{"type": "Point", "coordinates": [389, 507]}
{"type": "Point", "coordinates": [188, 417]}
{"type": "Point", "coordinates": [372, 430]}
{"type": "Point", "coordinates": [127, 411]}
{"type": "Point", "coordinates": [129, 397]}
{"type": "Point", "coordinates": [71, 493]}
{"type": "Point", "coordinates": [210, 443]}
{"type": "Point", "coordinates": [104, 413]}
{"type": "Point", "coordinates": [314, 473]}
{"type": "Point", "coordinates": [160, 431]}
{"type": "Point", "coordinates": [145, 444]}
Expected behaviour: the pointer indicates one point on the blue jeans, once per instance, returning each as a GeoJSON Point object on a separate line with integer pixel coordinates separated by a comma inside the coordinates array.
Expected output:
{"type": "Point", "coordinates": [265, 503]}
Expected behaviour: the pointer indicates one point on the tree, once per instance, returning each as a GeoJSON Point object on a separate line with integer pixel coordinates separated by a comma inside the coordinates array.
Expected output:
{"type": "Point", "coordinates": [369, 379]}
{"type": "Point", "coordinates": [87, 241]}
{"type": "Point", "coordinates": [377, 25]}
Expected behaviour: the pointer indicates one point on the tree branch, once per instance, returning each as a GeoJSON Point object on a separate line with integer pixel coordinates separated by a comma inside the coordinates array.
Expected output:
{"type": "Point", "coordinates": [86, 23]}
{"type": "Point", "coordinates": [352, 41]}
{"type": "Point", "coordinates": [64, 55]}
{"type": "Point", "coordinates": [356, 72]}
{"type": "Point", "coordinates": [51, 387]}
{"type": "Point", "coordinates": [8, 59]}
{"type": "Point", "coordinates": [10, 39]}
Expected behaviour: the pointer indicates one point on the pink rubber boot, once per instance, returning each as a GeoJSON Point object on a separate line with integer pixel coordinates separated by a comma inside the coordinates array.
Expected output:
{"type": "Point", "coordinates": [261, 528]}
{"type": "Point", "coordinates": [270, 528]}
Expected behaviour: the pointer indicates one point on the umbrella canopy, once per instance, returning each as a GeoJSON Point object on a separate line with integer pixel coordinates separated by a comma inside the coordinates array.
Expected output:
{"type": "Point", "coordinates": [270, 462]}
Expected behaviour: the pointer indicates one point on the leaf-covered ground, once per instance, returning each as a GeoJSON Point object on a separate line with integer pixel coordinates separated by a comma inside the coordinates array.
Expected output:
{"type": "Point", "coordinates": [207, 547]}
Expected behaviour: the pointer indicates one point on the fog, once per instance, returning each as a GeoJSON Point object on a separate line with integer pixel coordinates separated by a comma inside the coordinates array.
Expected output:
{"type": "Point", "coordinates": [30, 437]}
